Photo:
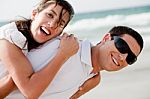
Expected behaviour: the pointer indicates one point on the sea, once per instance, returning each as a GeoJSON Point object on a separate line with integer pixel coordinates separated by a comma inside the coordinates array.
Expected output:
{"type": "Point", "coordinates": [132, 82]}
{"type": "Point", "coordinates": [93, 25]}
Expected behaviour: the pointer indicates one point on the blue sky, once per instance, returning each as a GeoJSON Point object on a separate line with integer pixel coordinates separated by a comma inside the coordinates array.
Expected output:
{"type": "Point", "coordinates": [9, 9]}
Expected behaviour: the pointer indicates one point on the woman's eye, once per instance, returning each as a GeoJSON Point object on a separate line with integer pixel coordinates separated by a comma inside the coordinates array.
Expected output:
{"type": "Point", "coordinates": [62, 25]}
{"type": "Point", "coordinates": [50, 15]}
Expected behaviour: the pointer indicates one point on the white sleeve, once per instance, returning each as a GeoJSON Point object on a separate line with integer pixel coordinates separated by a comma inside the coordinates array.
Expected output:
{"type": "Point", "coordinates": [41, 56]}
{"type": "Point", "coordinates": [11, 33]}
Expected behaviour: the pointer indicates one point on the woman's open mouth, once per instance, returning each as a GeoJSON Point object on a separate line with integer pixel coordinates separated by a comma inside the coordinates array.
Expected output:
{"type": "Point", "coordinates": [45, 30]}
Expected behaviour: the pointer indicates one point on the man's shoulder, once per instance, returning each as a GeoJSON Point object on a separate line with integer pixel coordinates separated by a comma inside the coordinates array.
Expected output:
{"type": "Point", "coordinates": [85, 42]}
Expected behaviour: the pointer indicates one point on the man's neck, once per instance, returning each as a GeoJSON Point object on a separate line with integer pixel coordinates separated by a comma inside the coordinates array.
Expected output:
{"type": "Point", "coordinates": [95, 62]}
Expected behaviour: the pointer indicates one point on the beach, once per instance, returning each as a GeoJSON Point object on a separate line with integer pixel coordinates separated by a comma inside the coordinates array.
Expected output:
{"type": "Point", "coordinates": [133, 82]}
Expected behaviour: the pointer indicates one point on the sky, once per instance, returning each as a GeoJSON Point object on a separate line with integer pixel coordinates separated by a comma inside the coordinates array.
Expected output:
{"type": "Point", "coordinates": [9, 9]}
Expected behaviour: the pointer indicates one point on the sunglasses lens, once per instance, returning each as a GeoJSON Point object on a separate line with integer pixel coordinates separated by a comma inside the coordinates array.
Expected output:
{"type": "Point", "coordinates": [123, 48]}
{"type": "Point", "coordinates": [131, 58]}
{"type": "Point", "coordinates": [121, 45]}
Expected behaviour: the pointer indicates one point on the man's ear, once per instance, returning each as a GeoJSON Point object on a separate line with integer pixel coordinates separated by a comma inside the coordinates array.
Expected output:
{"type": "Point", "coordinates": [34, 13]}
{"type": "Point", "coordinates": [106, 37]}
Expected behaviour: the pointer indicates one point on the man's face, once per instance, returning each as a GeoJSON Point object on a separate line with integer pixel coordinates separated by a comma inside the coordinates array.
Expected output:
{"type": "Point", "coordinates": [111, 57]}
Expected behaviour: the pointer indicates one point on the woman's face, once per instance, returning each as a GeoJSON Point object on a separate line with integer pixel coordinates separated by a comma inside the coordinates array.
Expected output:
{"type": "Point", "coordinates": [48, 23]}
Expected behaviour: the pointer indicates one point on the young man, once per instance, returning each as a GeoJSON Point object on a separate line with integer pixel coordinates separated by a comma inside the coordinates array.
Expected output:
{"type": "Point", "coordinates": [119, 48]}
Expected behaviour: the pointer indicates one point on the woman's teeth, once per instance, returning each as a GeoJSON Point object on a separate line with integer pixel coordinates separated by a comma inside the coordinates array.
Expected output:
{"type": "Point", "coordinates": [45, 30]}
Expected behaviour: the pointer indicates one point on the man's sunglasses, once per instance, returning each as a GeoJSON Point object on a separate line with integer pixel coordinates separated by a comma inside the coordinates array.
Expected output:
{"type": "Point", "coordinates": [123, 48]}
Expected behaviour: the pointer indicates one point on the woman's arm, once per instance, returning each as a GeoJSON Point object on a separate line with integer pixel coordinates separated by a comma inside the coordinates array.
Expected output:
{"type": "Point", "coordinates": [6, 86]}
{"type": "Point", "coordinates": [87, 86]}
{"type": "Point", "coordinates": [29, 83]}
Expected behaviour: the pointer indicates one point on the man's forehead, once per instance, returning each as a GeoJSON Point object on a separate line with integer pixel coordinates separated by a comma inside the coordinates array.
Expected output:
{"type": "Point", "coordinates": [134, 46]}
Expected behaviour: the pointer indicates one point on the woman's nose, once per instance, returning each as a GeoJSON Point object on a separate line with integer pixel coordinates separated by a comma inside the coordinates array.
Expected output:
{"type": "Point", "coordinates": [52, 24]}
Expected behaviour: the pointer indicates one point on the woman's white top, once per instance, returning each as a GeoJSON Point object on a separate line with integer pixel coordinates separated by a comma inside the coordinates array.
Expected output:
{"type": "Point", "coordinates": [11, 33]}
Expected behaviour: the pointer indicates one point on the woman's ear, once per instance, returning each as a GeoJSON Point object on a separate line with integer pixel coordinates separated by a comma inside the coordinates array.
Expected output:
{"type": "Point", "coordinates": [106, 37]}
{"type": "Point", "coordinates": [34, 13]}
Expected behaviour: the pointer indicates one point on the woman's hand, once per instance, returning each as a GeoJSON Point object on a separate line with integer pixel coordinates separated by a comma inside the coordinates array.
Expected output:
{"type": "Point", "coordinates": [6, 86]}
{"type": "Point", "coordinates": [68, 45]}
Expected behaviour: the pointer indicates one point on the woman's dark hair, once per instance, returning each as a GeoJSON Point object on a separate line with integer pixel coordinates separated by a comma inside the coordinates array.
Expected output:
{"type": "Point", "coordinates": [24, 27]}
{"type": "Point", "coordinates": [120, 30]}
{"type": "Point", "coordinates": [24, 24]}
{"type": "Point", "coordinates": [67, 6]}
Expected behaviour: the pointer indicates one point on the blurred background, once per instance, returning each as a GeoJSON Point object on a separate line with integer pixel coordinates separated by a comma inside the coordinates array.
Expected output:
{"type": "Point", "coordinates": [93, 18]}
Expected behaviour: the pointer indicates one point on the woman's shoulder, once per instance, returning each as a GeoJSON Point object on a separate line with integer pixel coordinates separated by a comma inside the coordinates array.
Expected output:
{"type": "Point", "coordinates": [11, 25]}
{"type": "Point", "coordinates": [8, 29]}
{"type": "Point", "coordinates": [11, 33]}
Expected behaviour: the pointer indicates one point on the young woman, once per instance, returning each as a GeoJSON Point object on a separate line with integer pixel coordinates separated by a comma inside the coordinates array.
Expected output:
{"type": "Point", "coordinates": [17, 38]}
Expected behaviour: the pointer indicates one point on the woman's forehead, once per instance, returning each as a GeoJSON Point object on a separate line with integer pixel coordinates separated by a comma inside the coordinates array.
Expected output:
{"type": "Point", "coordinates": [55, 6]}
{"type": "Point", "coordinates": [57, 9]}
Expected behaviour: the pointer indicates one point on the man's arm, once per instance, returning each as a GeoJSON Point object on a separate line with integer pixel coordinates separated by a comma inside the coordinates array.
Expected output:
{"type": "Point", "coordinates": [87, 86]}
{"type": "Point", "coordinates": [6, 86]}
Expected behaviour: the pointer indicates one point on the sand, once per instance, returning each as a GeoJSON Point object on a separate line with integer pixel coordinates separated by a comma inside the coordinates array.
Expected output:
{"type": "Point", "coordinates": [132, 82]}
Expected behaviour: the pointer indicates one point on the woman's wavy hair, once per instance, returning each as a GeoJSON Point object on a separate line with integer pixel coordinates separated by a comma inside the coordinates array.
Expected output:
{"type": "Point", "coordinates": [24, 24]}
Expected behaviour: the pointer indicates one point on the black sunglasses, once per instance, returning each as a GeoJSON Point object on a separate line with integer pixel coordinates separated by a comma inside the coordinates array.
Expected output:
{"type": "Point", "coordinates": [123, 48]}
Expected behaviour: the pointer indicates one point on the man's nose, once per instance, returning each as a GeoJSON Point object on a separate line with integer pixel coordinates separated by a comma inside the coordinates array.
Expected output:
{"type": "Point", "coordinates": [122, 57]}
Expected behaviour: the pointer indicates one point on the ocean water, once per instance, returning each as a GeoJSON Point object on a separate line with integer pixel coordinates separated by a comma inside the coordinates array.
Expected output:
{"type": "Point", "coordinates": [93, 25]}
{"type": "Point", "coordinates": [133, 82]}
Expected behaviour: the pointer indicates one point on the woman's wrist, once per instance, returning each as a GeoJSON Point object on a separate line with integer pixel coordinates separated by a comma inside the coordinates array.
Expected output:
{"type": "Point", "coordinates": [63, 55]}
